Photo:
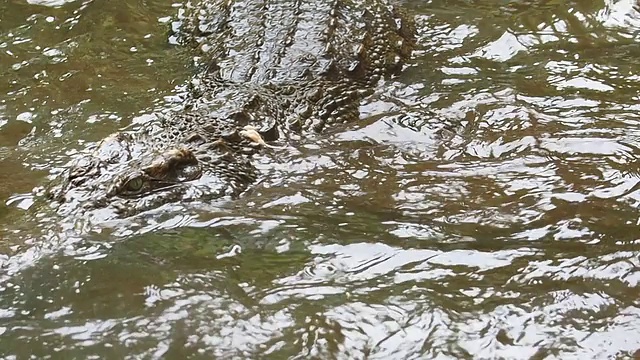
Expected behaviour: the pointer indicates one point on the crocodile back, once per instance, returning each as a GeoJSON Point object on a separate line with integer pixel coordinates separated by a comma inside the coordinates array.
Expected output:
{"type": "Point", "coordinates": [280, 41]}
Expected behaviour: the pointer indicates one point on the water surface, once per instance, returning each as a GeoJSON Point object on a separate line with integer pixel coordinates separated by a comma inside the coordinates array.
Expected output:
{"type": "Point", "coordinates": [486, 205]}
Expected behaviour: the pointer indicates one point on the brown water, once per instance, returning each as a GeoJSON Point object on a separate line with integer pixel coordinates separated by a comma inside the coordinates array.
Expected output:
{"type": "Point", "coordinates": [486, 206]}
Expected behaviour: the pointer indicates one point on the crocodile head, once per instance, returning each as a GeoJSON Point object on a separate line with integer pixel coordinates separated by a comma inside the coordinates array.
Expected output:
{"type": "Point", "coordinates": [123, 177]}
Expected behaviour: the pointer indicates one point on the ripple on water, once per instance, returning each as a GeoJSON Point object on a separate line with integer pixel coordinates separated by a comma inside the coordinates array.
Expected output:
{"type": "Point", "coordinates": [486, 206]}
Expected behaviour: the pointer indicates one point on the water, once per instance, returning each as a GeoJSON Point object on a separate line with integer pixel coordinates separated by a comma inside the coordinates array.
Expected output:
{"type": "Point", "coordinates": [486, 206]}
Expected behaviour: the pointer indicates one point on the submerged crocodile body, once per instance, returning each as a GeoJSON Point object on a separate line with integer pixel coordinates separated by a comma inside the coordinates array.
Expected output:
{"type": "Point", "coordinates": [273, 68]}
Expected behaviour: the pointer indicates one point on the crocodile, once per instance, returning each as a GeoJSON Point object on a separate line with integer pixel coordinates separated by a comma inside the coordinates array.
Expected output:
{"type": "Point", "coordinates": [269, 69]}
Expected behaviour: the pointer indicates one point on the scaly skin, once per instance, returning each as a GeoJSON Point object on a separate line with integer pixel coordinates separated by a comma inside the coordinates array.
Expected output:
{"type": "Point", "coordinates": [273, 67]}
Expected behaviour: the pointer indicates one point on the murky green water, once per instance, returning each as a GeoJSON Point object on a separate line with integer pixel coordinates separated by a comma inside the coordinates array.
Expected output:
{"type": "Point", "coordinates": [486, 206]}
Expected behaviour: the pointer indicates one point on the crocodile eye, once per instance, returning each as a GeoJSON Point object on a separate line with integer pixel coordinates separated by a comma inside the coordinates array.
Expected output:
{"type": "Point", "coordinates": [134, 185]}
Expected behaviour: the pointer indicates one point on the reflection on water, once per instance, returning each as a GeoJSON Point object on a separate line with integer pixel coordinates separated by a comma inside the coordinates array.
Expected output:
{"type": "Point", "coordinates": [486, 206]}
